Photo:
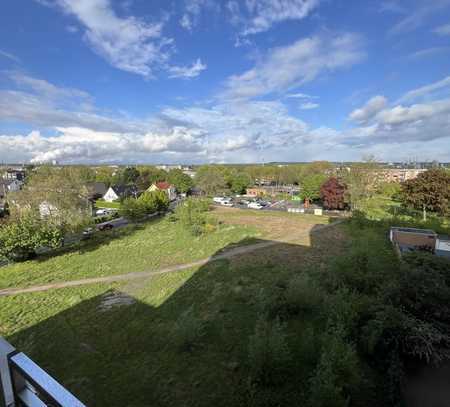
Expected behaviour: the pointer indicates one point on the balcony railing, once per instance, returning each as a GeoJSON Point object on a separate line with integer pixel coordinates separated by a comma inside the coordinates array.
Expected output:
{"type": "Point", "coordinates": [24, 383]}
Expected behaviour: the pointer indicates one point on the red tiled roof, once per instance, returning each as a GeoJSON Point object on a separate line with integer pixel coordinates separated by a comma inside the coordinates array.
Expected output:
{"type": "Point", "coordinates": [163, 185]}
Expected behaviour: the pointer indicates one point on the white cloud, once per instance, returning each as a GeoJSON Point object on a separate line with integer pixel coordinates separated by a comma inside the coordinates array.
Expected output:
{"type": "Point", "coordinates": [309, 106]}
{"type": "Point", "coordinates": [261, 15]}
{"type": "Point", "coordinates": [9, 56]}
{"type": "Point", "coordinates": [39, 103]}
{"type": "Point", "coordinates": [187, 72]}
{"type": "Point", "coordinates": [193, 10]}
{"type": "Point", "coordinates": [443, 30]}
{"type": "Point", "coordinates": [427, 91]}
{"type": "Point", "coordinates": [127, 43]}
{"type": "Point", "coordinates": [245, 131]}
{"type": "Point", "coordinates": [428, 52]}
{"type": "Point", "coordinates": [288, 67]}
{"type": "Point", "coordinates": [300, 96]}
{"type": "Point", "coordinates": [369, 110]}
{"type": "Point", "coordinates": [420, 12]}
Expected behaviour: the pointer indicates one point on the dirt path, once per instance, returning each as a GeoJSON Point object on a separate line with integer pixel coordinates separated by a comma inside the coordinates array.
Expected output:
{"type": "Point", "coordinates": [146, 274]}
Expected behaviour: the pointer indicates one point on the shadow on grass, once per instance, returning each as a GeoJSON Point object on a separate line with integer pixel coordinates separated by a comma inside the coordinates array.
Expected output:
{"type": "Point", "coordinates": [182, 339]}
{"type": "Point", "coordinates": [123, 348]}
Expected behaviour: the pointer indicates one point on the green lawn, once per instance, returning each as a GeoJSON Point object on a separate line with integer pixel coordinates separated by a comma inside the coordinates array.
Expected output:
{"type": "Point", "coordinates": [131, 355]}
{"type": "Point", "coordinates": [385, 209]}
{"type": "Point", "coordinates": [100, 203]}
{"type": "Point", "coordinates": [131, 249]}
{"type": "Point", "coordinates": [137, 354]}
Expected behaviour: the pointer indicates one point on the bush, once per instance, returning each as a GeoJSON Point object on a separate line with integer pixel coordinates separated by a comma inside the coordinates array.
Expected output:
{"type": "Point", "coordinates": [188, 330]}
{"type": "Point", "coordinates": [133, 209]}
{"type": "Point", "coordinates": [20, 239]}
{"type": "Point", "coordinates": [192, 215]}
{"type": "Point", "coordinates": [155, 201]}
{"type": "Point", "coordinates": [269, 354]}
{"type": "Point", "coordinates": [303, 294]}
{"type": "Point", "coordinates": [337, 374]}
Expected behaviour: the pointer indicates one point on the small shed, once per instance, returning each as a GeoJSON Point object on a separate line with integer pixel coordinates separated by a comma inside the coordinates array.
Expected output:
{"type": "Point", "coordinates": [408, 239]}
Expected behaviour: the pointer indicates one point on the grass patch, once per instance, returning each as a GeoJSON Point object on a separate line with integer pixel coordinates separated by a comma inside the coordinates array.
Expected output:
{"type": "Point", "coordinates": [132, 249]}
{"type": "Point", "coordinates": [100, 203]}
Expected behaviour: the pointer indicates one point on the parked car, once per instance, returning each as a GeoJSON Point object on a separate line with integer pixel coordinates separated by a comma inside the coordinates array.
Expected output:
{"type": "Point", "coordinates": [219, 199]}
{"type": "Point", "coordinates": [87, 233]}
{"type": "Point", "coordinates": [101, 212]}
{"type": "Point", "coordinates": [105, 226]}
{"type": "Point", "coordinates": [227, 203]}
{"type": "Point", "coordinates": [254, 205]}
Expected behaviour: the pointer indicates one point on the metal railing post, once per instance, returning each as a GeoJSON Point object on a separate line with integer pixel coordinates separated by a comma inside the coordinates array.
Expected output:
{"type": "Point", "coordinates": [6, 388]}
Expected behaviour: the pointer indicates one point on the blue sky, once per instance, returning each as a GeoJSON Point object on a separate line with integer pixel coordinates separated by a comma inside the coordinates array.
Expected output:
{"type": "Point", "coordinates": [193, 81]}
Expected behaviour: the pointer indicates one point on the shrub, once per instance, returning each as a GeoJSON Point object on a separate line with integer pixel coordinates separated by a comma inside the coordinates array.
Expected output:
{"type": "Point", "coordinates": [188, 330]}
{"type": "Point", "coordinates": [192, 215]}
{"type": "Point", "coordinates": [269, 354]}
{"type": "Point", "coordinates": [133, 209]}
{"type": "Point", "coordinates": [20, 239]}
{"type": "Point", "coordinates": [303, 294]}
{"type": "Point", "coordinates": [337, 374]}
{"type": "Point", "coordinates": [155, 201]}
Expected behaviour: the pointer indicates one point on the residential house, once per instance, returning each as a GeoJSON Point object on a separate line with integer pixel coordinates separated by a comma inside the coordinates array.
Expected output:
{"type": "Point", "coordinates": [96, 190]}
{"type": "Point", "coordinates": [117, 192]}
{"type": "Point", "coordinates": [14, 174]}
{"type": "Point", "coordinates": [9, 185]}
{"type": "Point", "coordinates": [166, 187]}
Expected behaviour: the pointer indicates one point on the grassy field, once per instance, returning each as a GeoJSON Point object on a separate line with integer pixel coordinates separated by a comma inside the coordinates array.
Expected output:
{"type": "Point", "coordinates": [147, 247]}
{"type": "Point", "coordinates": [142, 352]}
{"type": "Point", "coordinates": [385, 209]}
{"type": "Point", "coordinates": [100, 203]}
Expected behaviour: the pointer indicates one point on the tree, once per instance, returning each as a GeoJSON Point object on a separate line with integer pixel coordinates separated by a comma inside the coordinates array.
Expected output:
{"type": "Point", "coordinates": [155, 201]}
{"type": "Point", "coordinates": [210, 180]}
{"type": "Point", "coordinates": [59, 195]}
{"type": "Point", "coordinates": [127, 176]}
{"type": "Point", "coordinates": [20, 238]}
{"type": "Point", "coordinates": [332, 193]}
{"type": "Point", "coordinates": [182, 182]}
{"type": "Point", "coordinates": [430, 191]}
{"type": "Point", "coordinates": [361, 180]}
{"type": "Point", "coordinates": [191, 213]}
{"type": "Point", "coordinates": [133, 209]}
{"type": "Point", "coordinates": [240, 182]}
{"type": "Point", "coordinates": [310, 187]}
{"type": "Point", "coordinates": [150, 175]}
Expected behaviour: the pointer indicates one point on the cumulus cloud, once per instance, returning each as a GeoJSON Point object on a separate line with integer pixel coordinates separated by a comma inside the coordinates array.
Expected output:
{"type": "Point", "coordinates": [369, 110]}
{"type": "Point", "coordinates": [401, 123]}
{"type": "Point", "coordinates": [227, 131]}
{"type": "Point", "coordinates": [284, 68]}
{"type": "Point", "coordinates": [187, 72]}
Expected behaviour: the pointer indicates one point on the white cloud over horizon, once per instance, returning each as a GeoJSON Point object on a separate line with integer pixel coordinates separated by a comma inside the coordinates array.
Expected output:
{"type": "Point", "coordinates": [250, 130]}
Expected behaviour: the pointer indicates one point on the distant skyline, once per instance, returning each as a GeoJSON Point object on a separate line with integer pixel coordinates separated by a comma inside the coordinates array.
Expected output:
{"type": "Point", "coordinates": [198, 81]}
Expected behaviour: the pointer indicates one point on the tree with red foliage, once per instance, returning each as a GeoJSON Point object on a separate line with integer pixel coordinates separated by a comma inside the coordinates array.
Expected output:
{"type": "Point", "coordinates": [332, 193]}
